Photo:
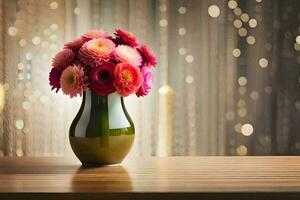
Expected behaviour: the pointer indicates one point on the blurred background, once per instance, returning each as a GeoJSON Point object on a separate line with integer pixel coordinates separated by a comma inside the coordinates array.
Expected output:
{"type": "Point", "coordinates": [227, 81]}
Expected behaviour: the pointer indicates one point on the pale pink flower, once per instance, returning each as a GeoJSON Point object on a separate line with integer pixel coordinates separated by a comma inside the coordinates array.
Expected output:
{"type": "Point", "coordinates": [63, 58]}
{"type": "Point", "coordinates": [96, 51]}
{"type": "Point", "coordinates": [147, 78]}
{"type": "Point", "coordinates": [72, 81]}
{"type": "Point", "coordinates": [94, 34]}
{"type": "Point", "coordinates": [127, 54]}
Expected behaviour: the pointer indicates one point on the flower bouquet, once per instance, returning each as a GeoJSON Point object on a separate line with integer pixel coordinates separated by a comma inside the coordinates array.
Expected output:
{"type": "Point", "coordinates": [102, 69]}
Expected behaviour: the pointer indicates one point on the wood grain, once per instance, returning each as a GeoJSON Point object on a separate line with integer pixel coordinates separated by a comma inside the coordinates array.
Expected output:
{"type": "Point", "coordinates": [152, 178]}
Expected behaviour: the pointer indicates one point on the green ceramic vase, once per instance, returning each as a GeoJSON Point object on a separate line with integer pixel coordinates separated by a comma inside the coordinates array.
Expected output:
{"type": "Point", "coordinates": [102, 132]}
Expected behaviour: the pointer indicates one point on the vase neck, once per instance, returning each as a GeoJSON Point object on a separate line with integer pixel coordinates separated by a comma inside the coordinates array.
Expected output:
{"type": "Point", "coordinates": [112, 105]}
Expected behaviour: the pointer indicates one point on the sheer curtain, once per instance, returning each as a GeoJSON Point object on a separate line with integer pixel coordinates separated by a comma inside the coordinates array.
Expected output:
{"type": "Point", "coordinates": [227, 82]}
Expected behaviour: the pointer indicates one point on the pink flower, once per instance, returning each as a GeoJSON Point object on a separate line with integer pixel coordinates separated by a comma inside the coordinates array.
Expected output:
{"type": "Point", "coordinates": [124, 37]}
{"type": "Point", "coordinates": [95, 34]}
{"type": "Point", "coordinates": [129, 55]}
{"type": "Point", "coordinates": [63, 58]}
{"type": "Point", "coordinates": [96, 51]}
{"type": "Point", "coordinates": [75, 45]}
{"type": "Point", "coordinates": [147, 78]}
{"type": "Point", "coordinates": [72, 81]}
{"type": "Point", "coordinates": [101, 79]}
{"type": "Point", "coordinates": [148, 56]}
{"type": "Point", "coordinates": [127, 79]}
{"type": "Point", "coordinates": [54, 78]}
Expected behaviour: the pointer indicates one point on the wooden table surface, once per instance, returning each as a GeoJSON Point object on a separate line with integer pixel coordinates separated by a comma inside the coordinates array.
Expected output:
{"type": "Point", "coordinates": [152, 178]}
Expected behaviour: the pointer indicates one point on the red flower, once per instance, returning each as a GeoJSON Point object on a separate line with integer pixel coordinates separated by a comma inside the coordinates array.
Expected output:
{"type": "Point", "coordinates": [148, 56]}
{"type": "Point", "coordinates": [75, 45]}
{"type": "Point", "coordinates": [54, 78]}
{"type": "Point", "coordinates": [126, 38]}
{"type": "Point", "coordinates": [127, 79]}
{"type": "Point", "coordinates": [101, 79]}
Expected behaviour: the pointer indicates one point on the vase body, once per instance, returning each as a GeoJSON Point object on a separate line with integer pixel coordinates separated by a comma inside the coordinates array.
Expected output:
{"type": "Point", "coordinates": [102, 132]}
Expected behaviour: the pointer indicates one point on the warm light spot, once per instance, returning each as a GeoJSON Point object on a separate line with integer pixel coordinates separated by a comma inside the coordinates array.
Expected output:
{"type": "Point", "coordinates": [36, 40]}
{"type": "Point", "coordinates": [250, 39]}
{"type": "Point", "coordinates": [237, 11]}
{"type": "Point", "coordinates": [22, 43]}
{"type": "Point", "coordinates": [189, 58]}
{"type": "Point", "coordinates": [163, 90]}
{"type": "Point", "coordinates": [12, 31]}
{"type": "Point", "coordinates": [28, 56]}
{"type": "Point", "coordinates": [236, 53]}
{"type": "Point", "coordinates": [213, 11]}
{"type": "Point", "coordinates": [242, 112]}
{"type": "Point", "coordinates": [2, 97]}
{"type": "Point", "coordinates": [19, 152]}
{"type": "Point", "coordinates": [20, 76]}
{"type": "Point", "coordinates": [76, 11]}
{"type": "Point", "coordinates": [181, 31]}
{"type": "Point", "coordinates": [54, 27]}
{"type": "Point", "coordinates": [19, 124]}
{"type": "Point", "coordinates": [242, 32]}
{"type": "Point", "coordinates": [247, 129]}
{"type": "Point", "coordinates": [26, 105]}
{"type": "Point", "coordinates": [241, 150]}
{"type": "Point", "coordinates": [297, 46]}
{"type": "Point", "coordinates": [254, 95]}
{"type": "Point", "coordinates": [163, 23]}
{"type": "Point", "coordinates": [237, 127]}
{"type": "Point", "coordinates": [182, 10]}
{"type": "Point", "coordinates": [242, 81]}
{"type": "Point", "coordinates": [263, 62]}
{"type": "Point", "coordinates": [163, 8]}
{"type": "Point", "coordinates": [252, 23]}
{"type": "Point", "coordinates": [189, 79]}
{"type": "Point", "coordinates": [297, 105]}
{"type": "Point", "coordinates": [182, 51]}
{"type": "Point", "coordinates": [245, 17]}
{"type": "Point", "coordinates": [53, 5]}
{"type": "Point", "coordinates": [47, 32]}
{"type": "Point", "coordinates": [20, 66]}
{"type": "Point", "coordinates": [237, 23]}
{"type": "Point", "coordinates": [232, 4]}
{"type": "Point", "coordinates": [53, 38]}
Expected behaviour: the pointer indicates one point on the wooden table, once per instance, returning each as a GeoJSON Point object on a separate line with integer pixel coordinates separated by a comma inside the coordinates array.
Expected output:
{"type": "Point", "coordinates": [152, 178]}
